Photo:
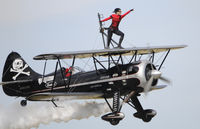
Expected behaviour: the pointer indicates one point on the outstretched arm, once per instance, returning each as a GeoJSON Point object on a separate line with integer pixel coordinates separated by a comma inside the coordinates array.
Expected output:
{"type": "Point", "coordinates": [127, 13]}
{"type": "Point", "coordinates": [106, 19]}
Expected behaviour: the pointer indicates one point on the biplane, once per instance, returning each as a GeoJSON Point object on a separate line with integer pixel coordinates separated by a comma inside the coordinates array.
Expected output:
{"type": "Point", "coordinates": [119, 74]}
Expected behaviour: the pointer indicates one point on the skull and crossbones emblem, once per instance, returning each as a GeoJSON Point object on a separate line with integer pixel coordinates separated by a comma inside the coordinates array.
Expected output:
{"type": "Point", "coordinates": [19, 67]}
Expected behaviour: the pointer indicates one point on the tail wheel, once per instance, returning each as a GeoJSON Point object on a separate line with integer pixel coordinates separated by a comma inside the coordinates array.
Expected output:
{"type": "Point", "coordinates": [23, 103]}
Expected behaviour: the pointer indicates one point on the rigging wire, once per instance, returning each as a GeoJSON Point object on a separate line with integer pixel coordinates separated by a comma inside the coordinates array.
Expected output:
{"type": "Point", "coordinates": [86, 64]}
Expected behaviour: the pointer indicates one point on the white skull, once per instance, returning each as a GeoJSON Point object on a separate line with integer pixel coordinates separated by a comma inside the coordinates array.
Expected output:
{"type": "Point", "coordinates": [17, 64]}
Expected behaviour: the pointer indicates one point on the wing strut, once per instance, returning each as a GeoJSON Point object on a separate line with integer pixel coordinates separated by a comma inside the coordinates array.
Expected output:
{"type": "Point", "coordinates": [71, 70]}
{"type": "Point", "coordinates": [116, 64]}
{"type": "Point", "coordinates": [62, 72]}
{"type": "Point", "coordinates": [45, 64]}
{"type": "Point", "coordinates": [153, 56]}
{"type": "Point", "coordinates": [164, 59]}
{"type": "Point", "coordinates": [108, 104]}
{"type": "Point", "coordinates": [134, 56]}
{"type": "Point", "coordinates": [95, 60]}
{"type": "Point", "coordinates": [54, 76]}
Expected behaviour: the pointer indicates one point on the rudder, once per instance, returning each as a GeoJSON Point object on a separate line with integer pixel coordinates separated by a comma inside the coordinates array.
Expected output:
{"type": "Point", "coordinates": [16, 68]}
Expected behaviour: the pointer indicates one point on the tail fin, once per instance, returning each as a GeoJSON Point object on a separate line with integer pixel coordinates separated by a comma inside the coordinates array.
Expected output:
{"type": "Point", "coordinates": [16, 69]}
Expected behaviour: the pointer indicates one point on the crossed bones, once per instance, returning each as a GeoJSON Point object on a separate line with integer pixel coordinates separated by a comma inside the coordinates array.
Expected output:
{"type": "Point", "coordinates": [20, 71]}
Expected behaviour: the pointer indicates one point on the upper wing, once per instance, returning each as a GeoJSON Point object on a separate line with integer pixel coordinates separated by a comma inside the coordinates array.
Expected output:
{"type": "Point", "coordinates": [106, 52]}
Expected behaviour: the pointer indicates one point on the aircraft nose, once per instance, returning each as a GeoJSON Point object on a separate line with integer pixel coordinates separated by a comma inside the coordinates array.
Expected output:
{"type": "Point", "coordinates": [156, 74]}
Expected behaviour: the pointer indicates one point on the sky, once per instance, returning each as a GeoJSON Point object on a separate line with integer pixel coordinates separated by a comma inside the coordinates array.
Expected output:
{"type": "Point", "coordinates": [32, 27]}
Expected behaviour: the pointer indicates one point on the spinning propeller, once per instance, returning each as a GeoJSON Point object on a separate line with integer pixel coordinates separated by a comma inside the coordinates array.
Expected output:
{"type": "Point", "coordinates": [153, 74]}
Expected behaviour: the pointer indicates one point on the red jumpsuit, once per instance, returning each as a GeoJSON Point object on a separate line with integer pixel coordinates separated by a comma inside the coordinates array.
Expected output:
{"type": "Point", "coordinates": [114, 27]}
{"type": "Point", "coordinates": [115, 19]}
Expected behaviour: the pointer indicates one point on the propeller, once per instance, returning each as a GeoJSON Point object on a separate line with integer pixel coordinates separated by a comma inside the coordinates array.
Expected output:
{"type": "Point", "coordinates": [155, 74]}
{"type": "Point", "coordinates": [165, 80]}
{"type": "Point", "coordinates": [147, 87]}
{"type": "Point", "coordinates": [160, 77]}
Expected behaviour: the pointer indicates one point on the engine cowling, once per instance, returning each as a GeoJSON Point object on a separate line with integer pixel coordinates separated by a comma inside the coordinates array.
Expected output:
{"type": "Point", "coordinates": [144, 73]}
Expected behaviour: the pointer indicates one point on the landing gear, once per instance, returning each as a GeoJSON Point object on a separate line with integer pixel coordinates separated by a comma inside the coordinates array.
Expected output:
{"type": "Point", "coordinates": [116, 116]}
{"type": "Point", "coordinates": [147, 118]}
{"type": "Point", "coordinates": [149, 114]}
{"type": "Point", "coordinates": [145, 115]}
{"type": "Point", "coordinates": [23, 103]}
{"type": "Point", "coordinates": [114, 122]}
{"type": "Point", "coordinates": [113, 118]}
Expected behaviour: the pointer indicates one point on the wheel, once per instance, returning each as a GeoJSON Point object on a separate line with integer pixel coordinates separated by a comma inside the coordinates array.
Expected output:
{"type": "Point", "coordinates": [147, 118]}
{"type": "Point", "coordinates": [23, 103]}
{"type": "Point", "coordinates": [148, 115]}
{"type": "Point", "coordinates": [114, 122]}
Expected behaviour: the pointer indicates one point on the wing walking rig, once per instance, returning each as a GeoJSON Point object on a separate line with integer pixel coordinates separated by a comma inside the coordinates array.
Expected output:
{"type": "Point", "coordinates": [119, 74]}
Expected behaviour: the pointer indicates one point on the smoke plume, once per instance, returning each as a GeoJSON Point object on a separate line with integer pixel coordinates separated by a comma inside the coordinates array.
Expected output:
{"type": "Point", "coordinates": [31, 116]}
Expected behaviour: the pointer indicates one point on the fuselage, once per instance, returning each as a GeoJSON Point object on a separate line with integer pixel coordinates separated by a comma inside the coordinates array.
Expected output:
{"type": "Point", "coordinates": [98, 81]}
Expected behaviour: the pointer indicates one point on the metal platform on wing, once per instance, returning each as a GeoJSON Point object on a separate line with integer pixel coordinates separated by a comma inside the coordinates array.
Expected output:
{"type": "Point", "coordinates": [107, 52]}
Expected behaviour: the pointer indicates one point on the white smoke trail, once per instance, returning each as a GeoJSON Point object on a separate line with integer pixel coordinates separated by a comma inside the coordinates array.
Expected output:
{"type": "Point", "coordinates": [31, 116]}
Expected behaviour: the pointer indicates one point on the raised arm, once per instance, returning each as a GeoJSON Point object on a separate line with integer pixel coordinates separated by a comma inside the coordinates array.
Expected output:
{"type": "Point", "coordinates": [127, 13]}
{"type": "Point", "coordinates": [106, 19]}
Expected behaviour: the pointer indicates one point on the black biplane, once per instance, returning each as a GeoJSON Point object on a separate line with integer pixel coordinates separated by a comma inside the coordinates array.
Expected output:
{"type": "Point", "coordinates": [114, 77]}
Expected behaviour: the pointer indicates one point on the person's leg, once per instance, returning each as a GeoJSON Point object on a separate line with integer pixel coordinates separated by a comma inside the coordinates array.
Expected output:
{"type": "Point", "coordinates": [110, 33]}
{"type": "Point", "coordinates": [121, 34]}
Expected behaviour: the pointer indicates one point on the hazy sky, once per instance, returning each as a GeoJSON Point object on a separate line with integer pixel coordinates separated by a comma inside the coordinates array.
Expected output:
{"type": "Point", "coordinates": [32, 27]}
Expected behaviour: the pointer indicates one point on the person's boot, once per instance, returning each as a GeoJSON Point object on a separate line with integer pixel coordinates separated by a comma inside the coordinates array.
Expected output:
{"type": "Point", "coordinates": [119, 46]}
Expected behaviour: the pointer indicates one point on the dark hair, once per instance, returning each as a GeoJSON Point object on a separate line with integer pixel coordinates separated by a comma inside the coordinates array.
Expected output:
{"type": "Point", "coordinates": [117, 10]}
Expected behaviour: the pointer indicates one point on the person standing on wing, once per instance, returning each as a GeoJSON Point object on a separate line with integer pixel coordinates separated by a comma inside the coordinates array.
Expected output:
{"type": "Point", "coordinates": [116, 18]}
